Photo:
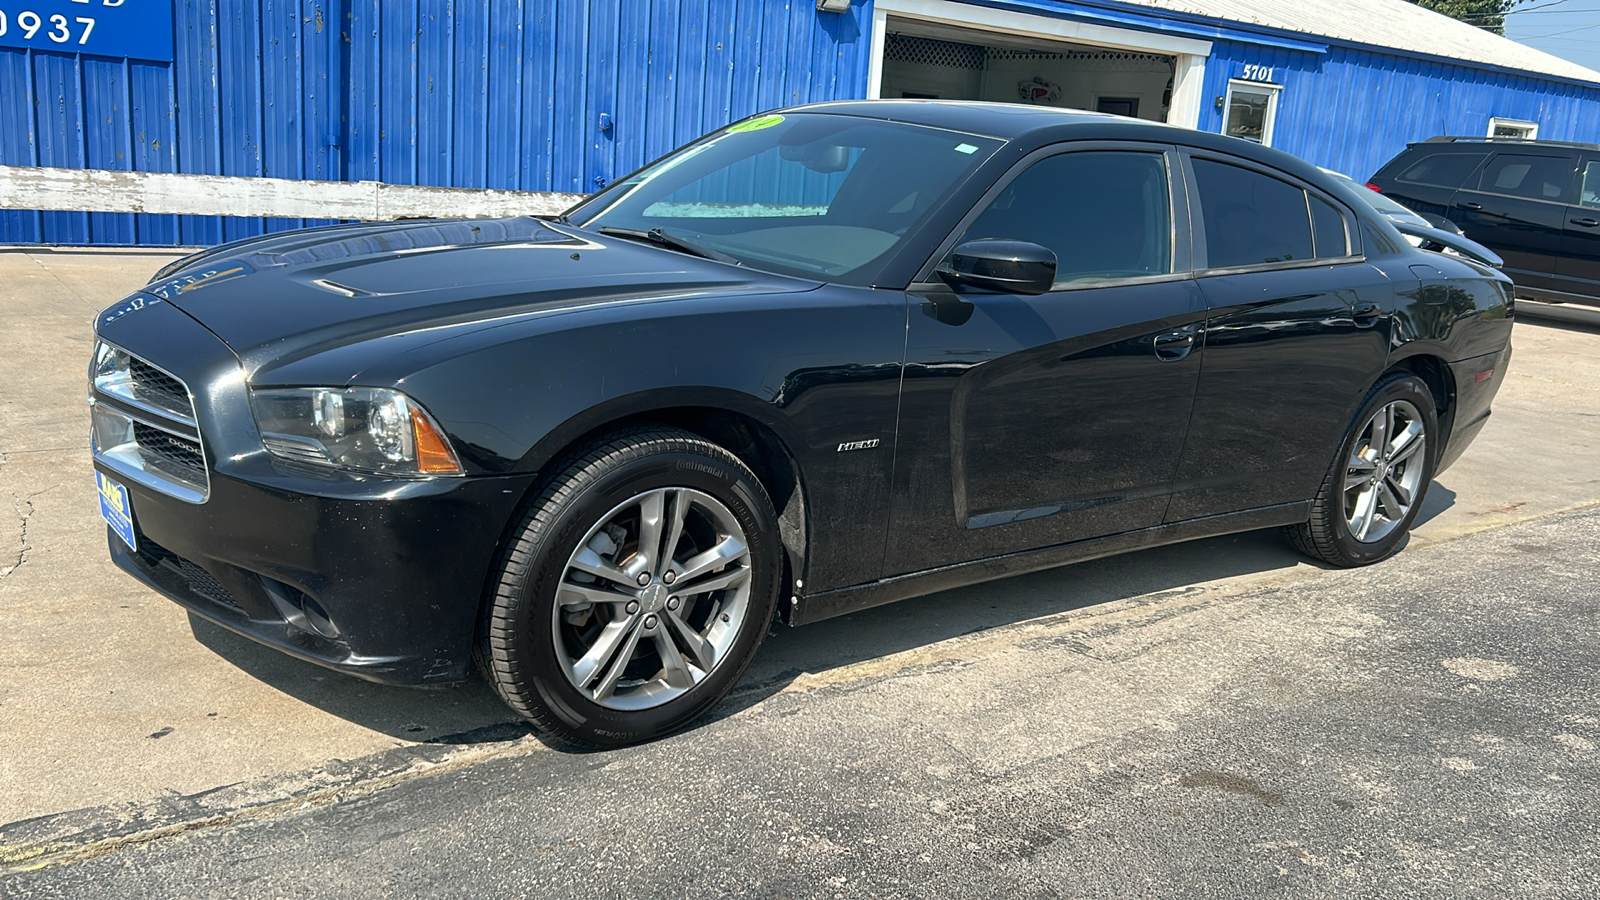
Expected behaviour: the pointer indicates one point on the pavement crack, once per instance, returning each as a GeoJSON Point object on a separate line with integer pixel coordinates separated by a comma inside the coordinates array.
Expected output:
{"type": "Point", "coordinates": [93, 306]}
{"type": "Point", "coordinates": [24, 508]}
{"type": "Point", "coordinates": [178, 814]}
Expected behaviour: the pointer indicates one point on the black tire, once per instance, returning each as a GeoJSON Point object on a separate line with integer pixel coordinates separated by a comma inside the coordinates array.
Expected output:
{"type": "Point", "coordinates": [519, 651]}
{"type": "Point", "coordinates": [1326, 536]}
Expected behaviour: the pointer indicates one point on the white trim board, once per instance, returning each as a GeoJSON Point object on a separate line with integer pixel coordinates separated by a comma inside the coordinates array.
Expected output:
{"type": "Point", "coordinates": [100, 190]}
{"type": "Point", "coordinates": [1190, 53]}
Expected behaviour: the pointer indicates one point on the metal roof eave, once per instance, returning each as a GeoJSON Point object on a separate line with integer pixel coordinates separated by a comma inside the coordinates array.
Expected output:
{"type": "Point", "coordinates": [1175, 24]}
{"type": "Point", "coordinates": [1180, 24]}
{"type": "Point", "coordinates": [1277, 37]}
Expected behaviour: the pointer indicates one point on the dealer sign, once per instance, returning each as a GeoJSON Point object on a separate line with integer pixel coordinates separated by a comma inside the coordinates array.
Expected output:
{"type": "Point", "coordinates": [138, 29]}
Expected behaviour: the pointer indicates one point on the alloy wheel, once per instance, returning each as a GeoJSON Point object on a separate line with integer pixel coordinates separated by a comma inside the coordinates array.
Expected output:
{"type": "Point", "coordinates": [653, 598]}
{"type": "Point", "coordinates": [1384, 476]}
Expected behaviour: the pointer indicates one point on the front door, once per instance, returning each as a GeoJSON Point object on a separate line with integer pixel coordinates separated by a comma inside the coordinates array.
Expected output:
{"type": "Point", "coordinates": [1030, 421]}
{"type": "Point", "coordinates": [1578, 268]}
{"type": "Point", "coordinates": [1517, 208]}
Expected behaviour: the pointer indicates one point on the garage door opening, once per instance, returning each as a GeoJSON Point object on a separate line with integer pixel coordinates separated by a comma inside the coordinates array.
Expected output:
{"type": "Point", "coordinates": [926, 61]}
{"type": "Point", "coordinates": [963, 51]}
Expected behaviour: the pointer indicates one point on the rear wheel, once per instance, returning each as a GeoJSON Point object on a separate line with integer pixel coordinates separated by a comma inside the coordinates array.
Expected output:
{"type": "Point", "coordinates": [1375, 488]}
{"type": "Point", "coordinates": [635, 591]}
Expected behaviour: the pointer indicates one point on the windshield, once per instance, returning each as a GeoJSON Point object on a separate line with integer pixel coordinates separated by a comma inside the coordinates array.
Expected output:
{"type": "Point", "coordinates": [808, 194]}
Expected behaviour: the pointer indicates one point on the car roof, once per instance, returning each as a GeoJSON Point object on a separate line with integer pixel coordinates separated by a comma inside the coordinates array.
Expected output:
{"type": "Point", "coordinates": [1471, 142]}
{"type": "Point", "coordinates": [1007, 121]}
{"type": "Point", "coordinates": [1038, 125]}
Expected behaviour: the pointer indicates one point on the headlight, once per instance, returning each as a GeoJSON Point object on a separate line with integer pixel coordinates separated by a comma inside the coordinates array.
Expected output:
{"type": "Point", "coordinates": [360, 429]}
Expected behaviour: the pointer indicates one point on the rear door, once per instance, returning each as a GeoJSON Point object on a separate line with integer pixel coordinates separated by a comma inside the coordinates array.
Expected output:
{"type": "Point", "coordinates": [1425, 177]}
{"type": "Point", "coordinates": [1578, 268]}
{"type": "Point", "coordinates": [1518, 207]}
{"type": "Point", "coordinates": [1297, 333]}
{"type": "Point", "coordinates": [1029, 421]}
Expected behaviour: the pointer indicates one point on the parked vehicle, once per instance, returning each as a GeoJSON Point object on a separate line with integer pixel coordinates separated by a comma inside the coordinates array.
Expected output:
{"type": "Point", "coordinates": [1395, 212]}
{"type": "Point", "coordinates": [820, 360]}
{"type": "Point", "coordinates": [1536, 203]}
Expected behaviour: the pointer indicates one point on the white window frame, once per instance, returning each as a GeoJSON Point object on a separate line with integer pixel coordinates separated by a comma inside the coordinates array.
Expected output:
{"type": "Point", "coordinates": [1530, 130]}
{"type": "Point", "coordinates": [1189, 54]}
{"type": "Point", "coordinates": [1271, 90]}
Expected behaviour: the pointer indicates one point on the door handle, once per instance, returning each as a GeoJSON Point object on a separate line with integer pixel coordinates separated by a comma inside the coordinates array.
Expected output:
{"type": "Point", "coordinates": [1469, 205]}
{"type": "Point", "coordinates": [1586, 222]}
{"type": "Point", "coordinates": [1173, 346]}
{"type": "Point", "coordinates": [1366, 314]}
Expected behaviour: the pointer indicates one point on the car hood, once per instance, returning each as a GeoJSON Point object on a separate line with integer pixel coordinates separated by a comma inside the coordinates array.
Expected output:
{"type": "Point", "coordinates": [280, 298]}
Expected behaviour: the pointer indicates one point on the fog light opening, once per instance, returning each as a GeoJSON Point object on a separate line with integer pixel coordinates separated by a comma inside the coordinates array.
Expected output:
{"type": "Point", "coordinates": [300, 609]}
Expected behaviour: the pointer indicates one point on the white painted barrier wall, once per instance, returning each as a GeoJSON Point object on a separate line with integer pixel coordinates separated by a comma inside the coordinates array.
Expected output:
{"type": "Point", "coordinates": [99, 190]}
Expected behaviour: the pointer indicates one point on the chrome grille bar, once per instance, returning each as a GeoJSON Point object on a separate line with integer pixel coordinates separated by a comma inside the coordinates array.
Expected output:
{"type": "Point", "coordinates": [144, 426]}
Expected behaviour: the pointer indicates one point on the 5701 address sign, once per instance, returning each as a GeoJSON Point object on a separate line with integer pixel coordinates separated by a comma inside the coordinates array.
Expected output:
{"type": "Point", "coordinates": [140, 29]}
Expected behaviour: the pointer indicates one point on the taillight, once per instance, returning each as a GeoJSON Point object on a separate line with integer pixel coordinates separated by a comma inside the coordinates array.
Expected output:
{"type": "Point", "coordinates": [1374, 187]}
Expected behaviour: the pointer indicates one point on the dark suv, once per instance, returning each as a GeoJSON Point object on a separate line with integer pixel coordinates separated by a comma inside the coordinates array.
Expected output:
{"type": "Point", "coordinates": [1536, 203]}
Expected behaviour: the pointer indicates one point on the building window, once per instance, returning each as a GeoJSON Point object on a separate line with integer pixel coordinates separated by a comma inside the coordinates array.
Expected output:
{"type": "Point", "coordinates": [1250, 111]}
{"type": "Point", "coordinates": [1512, 128]}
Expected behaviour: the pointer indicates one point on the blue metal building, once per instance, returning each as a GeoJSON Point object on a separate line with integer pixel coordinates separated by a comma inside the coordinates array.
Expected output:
{"type": "Point", "coordinates": [564, 95]}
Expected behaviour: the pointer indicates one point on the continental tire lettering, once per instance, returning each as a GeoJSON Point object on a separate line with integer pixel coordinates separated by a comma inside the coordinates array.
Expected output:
{"type": "Point", "coordinates": [700, 467]}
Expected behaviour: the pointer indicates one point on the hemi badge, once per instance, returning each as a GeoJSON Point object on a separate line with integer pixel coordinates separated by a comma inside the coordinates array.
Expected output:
{"type": "Point", "coordinates": [858, 445]}
{"type": "Point", "coordinates": [1485, 375]}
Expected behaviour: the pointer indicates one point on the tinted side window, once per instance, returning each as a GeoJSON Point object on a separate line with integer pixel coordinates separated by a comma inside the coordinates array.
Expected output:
{"type": "Point", "coordinates": [1590, 194]}
{"type": "Point", "coordinates": [1328, 225]}
{"type": "Point", "coordinates": [1251, 218]}
{"type": "Point", "coordinates": [1525, 175]}
{"type": "Point", "coordinates": [1442, 169]}
{"type": "Point", "coordinates": [1104, 214]}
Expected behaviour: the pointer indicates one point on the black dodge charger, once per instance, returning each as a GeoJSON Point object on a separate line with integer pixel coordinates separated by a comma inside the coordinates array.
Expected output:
{"type": "Point", "coordinates": [822, 359]}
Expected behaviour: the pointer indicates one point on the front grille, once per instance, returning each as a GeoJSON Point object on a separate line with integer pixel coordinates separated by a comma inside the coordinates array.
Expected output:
{"type": "Point", "coordinates": [144, 425]}
{"type": "Point", "coordinates": [199, 581]}
{"type": "Point", "coordinates": [170, 454]}
{"type": "Point", "coordinates": [156, 388]}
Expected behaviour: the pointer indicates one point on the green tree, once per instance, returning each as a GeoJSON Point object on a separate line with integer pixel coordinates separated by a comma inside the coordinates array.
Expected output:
{"type": "Point", "coordinates": [1489, 15]}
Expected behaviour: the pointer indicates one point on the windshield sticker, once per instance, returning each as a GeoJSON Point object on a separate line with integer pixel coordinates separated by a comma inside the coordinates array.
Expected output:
{"type": "Point", "coordinates": [966, 148]}
{"type": "Point", "coordinates": [759, 123]}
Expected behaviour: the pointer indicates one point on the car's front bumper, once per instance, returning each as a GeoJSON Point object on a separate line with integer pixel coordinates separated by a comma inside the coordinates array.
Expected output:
{"type": "Point", "coordinates": [398, 570]}
{"type": "Point", "coordinates": [275, 551]}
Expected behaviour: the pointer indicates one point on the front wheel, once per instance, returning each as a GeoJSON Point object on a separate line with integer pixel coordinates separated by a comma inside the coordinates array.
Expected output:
{"type": "Point", "coordinates": [635, 590]}
{"type": "Point", "coordinates": [1376, 485]}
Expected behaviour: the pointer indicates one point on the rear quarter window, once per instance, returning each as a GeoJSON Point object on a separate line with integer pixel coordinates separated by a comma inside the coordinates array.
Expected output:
{"type": "Point", "coordinates": [1441, 169]}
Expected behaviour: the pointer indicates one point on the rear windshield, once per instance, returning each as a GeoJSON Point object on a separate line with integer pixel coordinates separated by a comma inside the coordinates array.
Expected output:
{"type": "Point", "coordinates": [1374, 199]}
{"type": "Point", "coordinates": [1442, 169]}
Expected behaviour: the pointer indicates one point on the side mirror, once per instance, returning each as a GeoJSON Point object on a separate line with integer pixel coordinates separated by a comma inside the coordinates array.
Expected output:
{"type": "Point", "coordinates": [1016, 267]}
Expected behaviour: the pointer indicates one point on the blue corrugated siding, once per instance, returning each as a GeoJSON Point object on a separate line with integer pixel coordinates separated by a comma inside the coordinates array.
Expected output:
{"type": "Point", "coordinates": [510, 94]}
{"type": "Point", "coordinates": [461, 93]}
{"type": "Point", "coordinates": [1352, 110]}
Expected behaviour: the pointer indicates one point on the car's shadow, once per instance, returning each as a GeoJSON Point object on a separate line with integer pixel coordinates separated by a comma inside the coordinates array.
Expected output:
{"type": "Point", "coordinates": [471, 713]}
{"type": "Point", "coordinates": [1438, 499]}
